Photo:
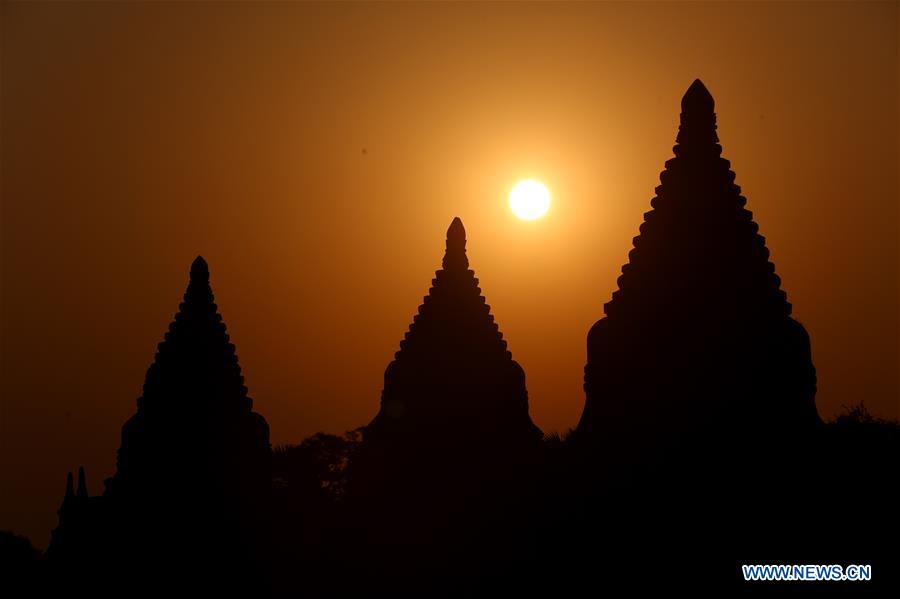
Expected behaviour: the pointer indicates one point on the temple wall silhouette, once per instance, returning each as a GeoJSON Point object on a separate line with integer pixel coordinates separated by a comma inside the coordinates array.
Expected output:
{"type": "Point", "coordinates": [698, 335]}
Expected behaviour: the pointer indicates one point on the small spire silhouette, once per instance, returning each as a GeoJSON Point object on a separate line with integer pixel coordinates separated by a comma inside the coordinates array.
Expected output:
{"type": "Point", "coordinates": [455, 256]}
{"type": "Point", "coordinates": [697, 132]}
{"type": "Point", "coordinates": [82, 485]}
{"type": "Point", "coordinates": [70, 486]}
{"type": "Point", "coordinates": [697, 99]}
{"type": "Point", "coordinates": [199, 270]}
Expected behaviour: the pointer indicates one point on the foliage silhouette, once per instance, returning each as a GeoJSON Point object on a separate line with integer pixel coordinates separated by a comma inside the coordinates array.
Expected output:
{"type": "Point", "coordinates": [316, 468]}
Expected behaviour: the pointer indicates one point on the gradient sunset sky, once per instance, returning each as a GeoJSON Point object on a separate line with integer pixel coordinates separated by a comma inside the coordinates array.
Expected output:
{"type": "Point", "coordinates": [315, 154]}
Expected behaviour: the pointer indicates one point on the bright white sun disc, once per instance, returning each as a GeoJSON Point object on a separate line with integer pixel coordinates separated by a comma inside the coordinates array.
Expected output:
{"type": "Point", "coordinates": [529, 199]}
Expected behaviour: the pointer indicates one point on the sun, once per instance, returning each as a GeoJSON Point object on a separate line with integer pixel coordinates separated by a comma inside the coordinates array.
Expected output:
{"type": "Point", "coordinates": [529, 199]}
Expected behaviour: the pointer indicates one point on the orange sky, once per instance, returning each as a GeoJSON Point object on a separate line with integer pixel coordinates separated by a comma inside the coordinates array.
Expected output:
{"type": "Point", "coordinates": [136, 136]}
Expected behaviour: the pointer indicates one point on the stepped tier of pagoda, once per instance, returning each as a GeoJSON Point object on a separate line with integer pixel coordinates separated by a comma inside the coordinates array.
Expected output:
{"type": "Point", "coordinates": [699, 329]}
{"type": "Point", "coordinates": [194, 430]}
{"type": "Point", "coordinates": [453, 386]}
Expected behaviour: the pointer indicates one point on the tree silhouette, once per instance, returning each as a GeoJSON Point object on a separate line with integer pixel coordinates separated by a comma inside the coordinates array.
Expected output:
{"type": "Point", "coordinates": [317, 468]}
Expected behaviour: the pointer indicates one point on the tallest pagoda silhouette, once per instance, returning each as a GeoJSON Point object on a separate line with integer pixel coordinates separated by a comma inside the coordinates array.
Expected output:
{"type": "Point", "coordinates": [698, 336]}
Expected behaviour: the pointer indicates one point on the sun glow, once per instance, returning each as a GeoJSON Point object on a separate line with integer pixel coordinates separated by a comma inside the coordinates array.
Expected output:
{"type": "Point", "coordinates": [529, 199]}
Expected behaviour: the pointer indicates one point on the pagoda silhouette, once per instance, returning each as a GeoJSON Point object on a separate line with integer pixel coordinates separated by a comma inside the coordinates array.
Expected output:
{"type": "Point", "coordinates": [699, 443]}
{"type": "Point", "coordinates": [699, 335]}
{"type": "Point", "coordinates": [454, 407]}
{"type": "Point", "coordinates": [454, 374]}
{"type": "Point", "coordinates": [193, 469]}
{"type": "Point", "coordinates": [195, 430]}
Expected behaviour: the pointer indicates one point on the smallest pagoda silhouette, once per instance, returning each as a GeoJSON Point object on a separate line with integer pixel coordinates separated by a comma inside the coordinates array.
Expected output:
{"type": "Point", "coordinates": [82, 519]}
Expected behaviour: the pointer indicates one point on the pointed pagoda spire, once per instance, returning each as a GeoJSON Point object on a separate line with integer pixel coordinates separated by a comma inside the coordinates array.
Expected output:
{"type": "Point", "coordinates": [194, 403]}
{"type": "Point", "coordinates": [199, 270]}
{"type": "Point", "coordinates": [82, 485]}
{"type": "Point", "coordinates": [699, 319]}
{"type": "Point", "coordinates": [455, 255]}
{"type": "Point", "coordinates": [70, 487]}
{"type": "Point", "coordinates": [453, 374]}
{"type": "Point", "coordinates": [697, 100]}
{"type": "Point", "coordinates": [70, 514]}
{"type": "Point", "coordinates": [196, 358]}
{"type": "Point", "coordinates": [454, 314]}
{"type": "Point", "coordinates": [699, 233]}
{"type": "Point", "coordinates": [697, 132]}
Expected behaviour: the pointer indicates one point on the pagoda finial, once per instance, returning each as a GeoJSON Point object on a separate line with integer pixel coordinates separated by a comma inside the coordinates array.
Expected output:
{"type": "Point", "coordinates": [70, 487]}
{"type": "Point", "coordinates": [82, 485]}
{"type": "Point", "coordinates": [199, 270]}
{"type": "Point", "coordinates": [698, 121]}
{"type": "Point", "coordinates": [697, 99]}
{"type": "Point", "coordinates": [455, 256]}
